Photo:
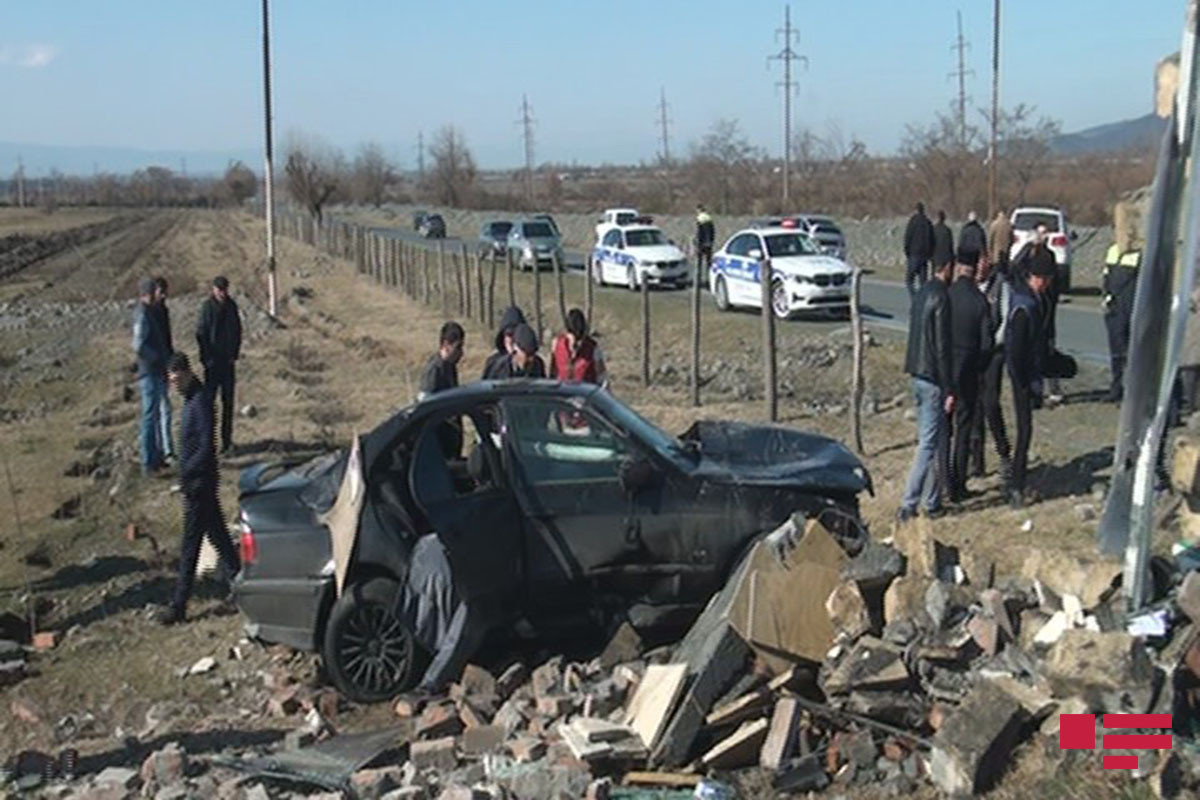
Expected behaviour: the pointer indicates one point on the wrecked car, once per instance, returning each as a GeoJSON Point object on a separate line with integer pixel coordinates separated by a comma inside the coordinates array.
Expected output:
{"type": "Point", "coordinates": [560, 492]}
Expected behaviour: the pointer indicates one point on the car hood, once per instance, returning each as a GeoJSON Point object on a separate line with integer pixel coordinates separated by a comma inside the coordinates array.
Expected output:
{"type": "Point", "coordinates": [657, 252]}
{"type": "Point", "coordinates": [810, 265]}
{"type": "Point", "coordinates": [739, 452]}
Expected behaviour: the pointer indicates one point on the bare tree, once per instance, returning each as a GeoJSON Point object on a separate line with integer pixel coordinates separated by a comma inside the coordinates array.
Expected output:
{"type": "Point", "coordinates": [239, 184]}
{"type": "Point", "coordinates": [453, 173]}
{"type": "Point", "coordinates": [722, 167]}
{"type": "Point", "coordinates": [314, 175]}
{"type": "Point", "coordinates": [372, 175]}
{"type": "Point", "coordinates": [1024, 147]}
{"type": "Point", "coordinates": [945, 160]}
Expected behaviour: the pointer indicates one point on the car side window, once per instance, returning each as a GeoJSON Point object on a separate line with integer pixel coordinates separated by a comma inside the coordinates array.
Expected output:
{"type": "Point", "coordinates": [552, 442]}
{"type": "Point", "coordinates": [741, 245]}
{"type": "Point", "coordinates": [611, 239]}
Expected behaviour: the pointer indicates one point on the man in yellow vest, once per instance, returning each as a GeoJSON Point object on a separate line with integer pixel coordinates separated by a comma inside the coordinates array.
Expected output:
{"type": "Point", "coordinates": [1120, 287]}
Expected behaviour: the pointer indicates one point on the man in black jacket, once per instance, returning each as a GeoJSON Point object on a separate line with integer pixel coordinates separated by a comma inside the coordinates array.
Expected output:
{"type": "Point", "coordinates": [943, 242]}
{"type": "Point", "coordinates": [1025, 351]}
{"type": "Point", "coordinates": [219, 335]}
{"type": "Point", "coordinates": [971, 338]}
{"type": "Point", "coordinates": [497, 363]}
{"type": "Point", "coordinates": [973, 236]}
{"type": "Point", "coordinates": [918, 247]}
{"type": "Point", "coordinates": [706, 233]}
{"type": "Point", "coordinates": [198, 480]}
{"type": "Point", "coordinates": [929, 361]}
{"type": "Point", "coordinates": [1036, 257]}
{"type": "Point", "coordinates": [524, 362]}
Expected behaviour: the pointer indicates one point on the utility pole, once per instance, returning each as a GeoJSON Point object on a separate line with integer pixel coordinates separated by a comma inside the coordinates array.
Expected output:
{"type": "Point", "coordinates": [20, 182]}
{"type": "Point", "coordinates": [992, 153]}
{"type": "Point", "coordinates": [268, 165]}
{"type": "Point", "coordinates": [664, 128]}
{"type": "Point", "coordinates": [421, 156]}
{"type": "Point", "coordinates": [961, 45]}
{"type": "Point", "coordinates": [526, 123]}
{"type": "Point", "coordinates": [787, 55]}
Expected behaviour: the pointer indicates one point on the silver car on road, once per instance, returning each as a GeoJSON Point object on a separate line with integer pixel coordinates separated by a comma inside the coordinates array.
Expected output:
{"type": "Point", "coordinates": [535, 243]}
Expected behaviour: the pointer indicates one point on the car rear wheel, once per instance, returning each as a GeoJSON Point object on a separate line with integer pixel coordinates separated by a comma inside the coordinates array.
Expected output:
{"type": "Point", "coordinates": [631, 279]}
{"type": "Point", "coordinates": [721, 294]}
{"type": "Point", "coordinates": [369, 654]}
{"type": "Point", "coordinates": [779, 300]}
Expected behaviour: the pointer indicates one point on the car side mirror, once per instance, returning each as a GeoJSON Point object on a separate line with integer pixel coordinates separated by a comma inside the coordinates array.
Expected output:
{"type": "Point", "coordinates": [638, 475]}
{"type": "Point", "coordinates": [756, 254]}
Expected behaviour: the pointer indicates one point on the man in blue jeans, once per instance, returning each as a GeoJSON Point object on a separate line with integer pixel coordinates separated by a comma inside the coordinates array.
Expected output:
{"type": "Point", "coordinates": [929, 360]}
{"type": "Point", "coordinates": [151, 349]}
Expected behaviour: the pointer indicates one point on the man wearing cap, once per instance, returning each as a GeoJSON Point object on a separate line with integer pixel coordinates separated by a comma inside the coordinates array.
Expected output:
{"type": "Point", "coordinates": [219, 336]}
{"type": "Point", "coordinates": [151, 348]}
{"type": "Point", "coordinates": [524, 362]}
{"type": "Point", "coordinates": [1025, 353]}
{"type": "Point", "coordinates": [496, 366]}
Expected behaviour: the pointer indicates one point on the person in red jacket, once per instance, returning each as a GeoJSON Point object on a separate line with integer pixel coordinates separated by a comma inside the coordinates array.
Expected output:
{"type": "Point", "coordinates": [575, 356]}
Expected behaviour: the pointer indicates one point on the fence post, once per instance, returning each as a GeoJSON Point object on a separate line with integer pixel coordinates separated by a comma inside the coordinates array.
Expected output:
{"type": "Point", "coordinates": [426, 287]}
{"type": "Point", "coordinates": [701, 257]}
{"type": "Point", "coordinates": [560, 286]}
{"type": "Point", "coordinates": [441, 253]}
{"type": "Point", "coordinates": [856, 381]}
{"type": "Point", "coordinates": [768, 320]}
{"type": "Point", "coordinates": [589, 289]}
{"type": "Point", "coordinates": [537, 297]}
{"type": "Point", "coordinates": [512, 283]}
{"type": "Point", "coordinates": [645, 286]}
{"type": "Point", "coordinates": [464, 282]}
{"type": "Point", "coordinates": [491, 294]}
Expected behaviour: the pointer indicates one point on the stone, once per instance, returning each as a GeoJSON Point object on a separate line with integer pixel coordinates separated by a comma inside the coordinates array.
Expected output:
{"type": "Point", "coordinates": [1052, 631]}
{"type": "Point", "coordinates": [859, 749]}
{"type": "Point", "coordinates": [626, 645]}
{"type": "Point", "coordinates": [1188, 596]}
{"type": "Point", "coordinates": [439, 720]}
{"type": "Point", "coordinates": [438, 754]}
{"type": "Point", "coordinates": [510, 718]}
{"type": "Point", "coordinates": [121, 777]}
{"type": "Point", "coordinates": [257, 792]}
{"type": "Point", "coordinates": [165, 767]}
{"type": "Point", "coordinates": [1036, 699]}
{"type": "Point", "coordinates": [206, 664]}
{"type": "Point", "coordinates": [914, 539]}
{"type": "Point", "coordinates": [986, 633]}
{"type": "Point", "coordinates": [44, 640]}
{"type": "Point", "coordinates": [483, 739]}
{"type": "Point", "coordinates": [804, 775]}
{"type": "Point", "coordinates": [408, 707]}
{"type": "Point", "coordinates": [974, 744]}
{"type": "Point", "coordinates": [554, 705]}
{"type": "Point", "coordinates": [905, 600]}
{"type": "Point", "coordinates": [600, 789]}
{"type": "Point", "coordinates": [510, 679]}
{"type": "Point", "coordinates": [526, 749]}
{"type": "Point", "coordinates": [875, 566]}
{"type": "Point", "coordinates": [476, 682]}
{"type": "Point", "coordinates": [407, 793]}
{"type": "Point", "coordinates": [848, 610]}
{"type": "Point", "coordinates": [285, 702]}
{"type": "Point", "coordinates": [369, 783]}
{"type": "Point", "coordinates": [1090, 664]}
{"type": "Point", "coordinates": [1085, 512]}
{"type": "Point", "coordinates": [250, 411]}
{"type": "Point", "coordinates": [994, 605]}
{"type": "Point", "coordinates": [937, 603]}
{"type": "Point", "coordinates": [870, 664]}
{"type": "Point", "coordinates": [471, 715]}
{"type": "Point", "coordinates": [547, 679]}
{"type": "Point", "coordinates": [1086, 576]}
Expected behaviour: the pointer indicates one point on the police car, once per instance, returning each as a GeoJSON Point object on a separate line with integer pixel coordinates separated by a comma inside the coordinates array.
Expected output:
{"type": "Point", "coordinates": [802, 278]}
{"type": "Point", "coordinates": [630, 255]}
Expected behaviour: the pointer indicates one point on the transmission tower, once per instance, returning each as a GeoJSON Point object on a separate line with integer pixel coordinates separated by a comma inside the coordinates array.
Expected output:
{"type": "Point", "coordinates": [992, 154]}
{"type": "Point", "coordinates": [664, 123]}
{"type": "Point", "coordinates": [526, 123]}
{"type": "Point", "coordinates": [20, 182]}
{"type": "Point", "coordinates": [961, 45]}
{"type": "Point", "coordinates": [787, 55]}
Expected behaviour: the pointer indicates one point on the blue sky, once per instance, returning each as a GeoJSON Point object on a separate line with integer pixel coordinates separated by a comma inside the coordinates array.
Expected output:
{"type": "Point", "coordinates": [151, 74]}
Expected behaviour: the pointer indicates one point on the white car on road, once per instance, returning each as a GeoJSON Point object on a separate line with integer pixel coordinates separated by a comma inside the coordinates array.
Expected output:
{"type": "Point", "coordinates": [1059, 237]}
{"type": "Point", "coordinates": [630, 255]}
{"type": "Point", "coordinates": [614, 217]}
{"type": "Point", "coordinates": [802, 278]}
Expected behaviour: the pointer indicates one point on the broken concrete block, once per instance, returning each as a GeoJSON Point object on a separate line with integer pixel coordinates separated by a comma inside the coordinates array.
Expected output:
{"type": "Point", "coordinates": [439, 720]}
{"type": "Point", "coordinates": [436, 754]}
{"type": "Point", "coordinates": [376, 782]}
{"type": "Point", "coordinates": [475, 682]}
{"type": "Point", "coordinates": [510, 717]}
{"type": "Point", "coordinates": [804, 775]}
{"type": "Point", "coordinates": [120, 777]}
{"type": "Point", "coordinates": [527, 749]}
{"type": "Point", "coordinates": [554, 705]}
{"type": "Point", "coordinates": [848, 610]}
{"type": "Point", "coordinates": [625, 645]}
{"type": "Point", "coordinates": [875, 566]}
{"type": "Point", "coordinates": [547, 679]}
{"type": "Point", "coordinates": [751, 704]}
{"type": "Point", "coordinates": [739, 749]}
{"type": "Point", "coordinates": [986, 633]}
{"type": "Point", "coordinates": [1088, 664]}
{"type": "Point", "coordinates": [165, 767]}
{"type": "Point", "coordinates": [937, 603]}
{"type": "Point", "coordinates": [1188, 597]}
{"type": "Point", "coordinates": [483, 739]}
{"type": "Point", "coordinates": [471, 715]}
{"type": "Point", "coordinates": [44, 640]}
{"type": "Point", "coordinates": [600, 789]}
{"type": "Point", "coordinates": [860, 750]}
{"type": "Point", "coordinates": [914, 539]}
{"type": "Point", "coordinates": [995, 606]}
{"type": "Point", "coordinates": [974, 744]}
{"type": "Point", "coordinates": [1052, 631]}
{"type": "Point", "coordinates": [905, 600]}
{"type": "Point", "coordinates": [781, 735]}
{"type": "Point", "coordinates": [285, 702]}
{"type": "Point", "coordinates": [1086, 576]}
{"type": "Point", "coordinates": [650, 709]}
{"type": "Point", "coordinates": [510, 680]}
{"type": "Point", "coordinates": [1036, 699]}
{"type": "Point", "coordinates": [871, 663]}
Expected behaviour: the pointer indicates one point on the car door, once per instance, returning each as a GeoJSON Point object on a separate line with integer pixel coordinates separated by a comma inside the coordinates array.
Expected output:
{"type": "Point", "coordinates": [468, 501]}
{"type": "Point", "coordinates": [610, 255]}
{"type": "Point", "coordinates": [742, 271]}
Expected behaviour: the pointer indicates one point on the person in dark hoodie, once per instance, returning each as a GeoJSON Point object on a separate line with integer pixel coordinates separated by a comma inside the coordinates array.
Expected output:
{"type": "Point", "coordinates": [918, 247]}
{"type": "Point", "coordinates": [1025, 353]}
{"type": "Point", "coordinates": [943, 243]}
{"type": "Point", "coordinates": [199, 481]}
{"type": "Point", "coordinates": [219, 336]}
{"type": "Point", "coordinates": [497, 363]}
{"type": "Point", "coordinates": [973, 236]}
{"type": "Point", "coordinates": [524, 362]}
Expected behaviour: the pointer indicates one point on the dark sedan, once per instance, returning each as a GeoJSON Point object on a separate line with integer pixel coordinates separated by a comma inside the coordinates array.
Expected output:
{"type": "Point", "coordinates": [557, 495]}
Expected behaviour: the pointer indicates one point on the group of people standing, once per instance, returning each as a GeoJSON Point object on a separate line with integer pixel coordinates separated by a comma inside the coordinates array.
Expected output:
{"type": "Point", "coordinates": [159, 366]}
{"type": "Point", "coordinates": [975, 319]}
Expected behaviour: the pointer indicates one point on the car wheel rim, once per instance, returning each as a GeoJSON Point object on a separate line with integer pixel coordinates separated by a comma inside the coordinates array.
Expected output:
{"type": "Point", "coordinates": [722, 296]}
{"type": "Point", "coordinates": [374, 649]}
{"type": "Point", "coordinates": [632, 279]}
{"type": "Point", "coordinates": [779, 300]}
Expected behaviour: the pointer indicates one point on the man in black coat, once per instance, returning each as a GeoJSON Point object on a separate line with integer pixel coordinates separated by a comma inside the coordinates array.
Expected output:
{"type": "Point", "coordinates": [199, 481]}
{"type": "Point", "coordinates": [973, 236]}
{"type": "Point", "coordinates": [918, 248]}
{"type": "Point", "coordinates": [706, 234]}
{"type": "Point", "coordinates": [524, 362]}
{"type": "Point", "coordinates": [497, 363]}
{"type": "Point", "coordinates": [219, 335]}
{"type": "Point", "coordinates": [970, 334]}
{"type": "Point", "coordinates": [1025, 352]}
{"type": "Point", "coordinates": [943, 242]}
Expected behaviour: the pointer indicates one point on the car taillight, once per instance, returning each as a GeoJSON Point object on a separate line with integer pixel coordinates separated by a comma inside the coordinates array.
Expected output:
{"type": "Point", "coordinates": [1058, 240]}
{"type": "Point", "coordinates": [788, 223]}
{"type": "Point", "coordinates": [249, 546]}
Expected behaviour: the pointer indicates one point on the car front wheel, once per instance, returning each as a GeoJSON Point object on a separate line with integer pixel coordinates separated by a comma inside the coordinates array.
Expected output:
{"type": "Point", "coordinates": [779, 300]}
{"type": "Point", "coordinates": [721, 294]}
{"type": "Point", "coordinates": [368, 652]}
{"type": "Point", "coordinates": [631, 279]}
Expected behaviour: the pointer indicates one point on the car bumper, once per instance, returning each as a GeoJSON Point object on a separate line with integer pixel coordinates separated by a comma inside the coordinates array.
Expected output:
{"type": "Point", "coordinates": [675, 278]}
{"type": "Point", "coordinates": [810, 297]}
{"type": "Point", "coordinates": [283, 610]}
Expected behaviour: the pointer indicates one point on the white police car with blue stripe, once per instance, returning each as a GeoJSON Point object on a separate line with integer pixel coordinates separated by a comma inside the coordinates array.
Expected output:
{"type": "Point", "coordinates": [630, 255]}
{"type": "Point", "coordinates": [802, 278]}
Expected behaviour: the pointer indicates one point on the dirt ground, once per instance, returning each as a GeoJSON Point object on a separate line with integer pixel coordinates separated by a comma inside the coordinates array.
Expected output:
{"type": "Point", "coordinates": [340, 360]}
{"type": "Point", "coordinates": [38, 220]}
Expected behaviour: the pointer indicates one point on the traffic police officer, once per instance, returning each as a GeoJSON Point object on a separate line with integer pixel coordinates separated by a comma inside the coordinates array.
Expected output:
{"type": "Point", "coordinates": [1120, 288]}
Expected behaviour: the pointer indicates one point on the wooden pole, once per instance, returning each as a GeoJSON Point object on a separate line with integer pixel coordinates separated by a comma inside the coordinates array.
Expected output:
{"type": "Point", "coordinates": [645, 331]}
{"type": "Point", "coordinates": [464, 282]}
{"type": "Point", "coordinates": [512, 285]}
{"type": "Point", "coordinates": [442, 283]}
{"type": "Point", "coordinates": [537, 297]}
{"type": "Point", "coordinates": [491, 295]}
{"type": "Point", "coordinates": [426, 287]}
{"type": "Point", "coordinates": [696, 279]}
{"type": "Point", "coordinates": [477, 260]}
{"type": "Point", "coordinates": [560, 285]}
{"type": "Point", "coordinates": [589, 289]}
{"type": "Point", "coordinates": [856, 383]}
{"type": "Point", "coordinates": [768, 320]}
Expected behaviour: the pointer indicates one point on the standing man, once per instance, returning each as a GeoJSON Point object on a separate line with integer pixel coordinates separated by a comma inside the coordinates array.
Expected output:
{"type": "Point", "coordinates": [929, 361]}
{"type": "Point", "coordinates": [497, 363]}
{"type": "Point", "coordinates": [198, 480]}
{"type": "Point", "coordinates": [706, 234]}
{"type": "Point", "coordinates": [918, 248]}
{"type": "Point", "coordinates": [441, 371]}
{"type": "Point", "coordinates": [523, 361]}
{"type": "Point", "coordinates": [575, 356]}
{"type": "Point", "coordinates": [151, 349]}
{"type": "Point", "coordinates": [1000, 240]}
{"type": "Point", "coordinates": [943, 243]}
{"type": "Point", "coordinates": [972, 236]}
{"type": "Point", "coordinates": [219, 335]}
{"type": "Point", "coordinates": [1036, 255]}
{"type": "Point", "coordinates": [1120, 288]}
{"type": "Point", "coordinates": [970, 335]}
{"type": "Point", "coordinates": [164, 322]}
{"type": "Point", "coordinates": [1024, 357]}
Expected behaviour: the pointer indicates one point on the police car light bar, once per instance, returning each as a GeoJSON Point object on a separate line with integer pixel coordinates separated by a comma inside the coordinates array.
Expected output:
{"type": "Point", "coordinates": [644, 220]}
{"type": "Point", "coordinates": [788, 223]}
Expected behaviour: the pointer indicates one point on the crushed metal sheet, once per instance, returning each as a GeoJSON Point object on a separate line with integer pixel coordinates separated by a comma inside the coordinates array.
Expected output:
{"type": "Point", "coordinates": [328, 764]}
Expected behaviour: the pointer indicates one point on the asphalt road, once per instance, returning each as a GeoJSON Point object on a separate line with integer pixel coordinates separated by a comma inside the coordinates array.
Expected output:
{"type": "Point", "coordinates": [885, 303]}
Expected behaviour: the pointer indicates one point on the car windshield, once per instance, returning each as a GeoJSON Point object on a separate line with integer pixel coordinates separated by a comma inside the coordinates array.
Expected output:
{"type": "Point", "coordinates": [1028, 220]}
{"type": "Point", "coordinates": [789, 244]}
{"type": "Point", "coordinates": [644, 237]}
{"type": "Point", "coordinates": [500, 228]}
{"type": "Point", "coordinates": [538, 230]}
{"type": "Point", "coordinates": [626, 217]}
{"type": "Point", "coordinates": [639, 427]}
{"type": "Point", "coordinates": [828, 228]}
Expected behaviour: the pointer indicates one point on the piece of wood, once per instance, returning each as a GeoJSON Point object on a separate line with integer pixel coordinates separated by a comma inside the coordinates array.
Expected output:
{"type": "Point", "coordinates": [581, 748]}
{"type": "Point", "coordinates": [739, 749]}
{"type": "Point", "coordinates": [781, 736]}
{"type": "Point", "coordinates": [744, 707]}
{"type": "Point", "coordinates": [645, 778]}
{"type": "Point", "coordinates": [650, 709]}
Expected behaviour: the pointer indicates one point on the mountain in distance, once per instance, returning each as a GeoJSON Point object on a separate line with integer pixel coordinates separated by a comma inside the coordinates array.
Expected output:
{"type": "Point", "coordinates": [40, 159]}
{"type": "Point", "coordinates": [1142, 133]}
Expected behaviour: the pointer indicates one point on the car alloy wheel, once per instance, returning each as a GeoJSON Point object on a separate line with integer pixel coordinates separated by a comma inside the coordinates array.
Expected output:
{"type": "Point", "coordinates": [597, 272]}
{"type": "Point", "coordinates": [369, 654]}
{"type": "Point", "coordinates": [631, 279]}
{"type": "Point", "coordinates": [779, 300]}
{"type": "Point", "coordinates": [721, 294]}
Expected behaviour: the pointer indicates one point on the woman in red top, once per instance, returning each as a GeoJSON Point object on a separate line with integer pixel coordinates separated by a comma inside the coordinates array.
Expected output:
{"type": "Point", "coordinates": [575, 356]}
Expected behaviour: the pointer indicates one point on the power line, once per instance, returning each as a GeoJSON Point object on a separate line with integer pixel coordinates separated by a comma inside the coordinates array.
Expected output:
{"type": "Point", "coordinates": [664, 136]}
{"type": "Point", "coordinates": [526, 123]}
{"type": "Point", "coordinates": [787, 55]}
{"type": "Point", "coordinates": [961, 45]}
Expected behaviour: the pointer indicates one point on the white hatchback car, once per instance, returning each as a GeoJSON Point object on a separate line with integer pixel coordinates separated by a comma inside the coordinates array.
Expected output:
{"type": "Point", "coordinates": [802, 278]}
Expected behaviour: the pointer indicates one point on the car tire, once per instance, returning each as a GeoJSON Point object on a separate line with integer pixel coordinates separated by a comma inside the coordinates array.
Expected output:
{"type": "Point", "coordinates": [631, 279]}
{"type": "Point", "coordinates": [368, 653]}
{"type": "Point", "coordinates": [721, 294]}
{"type": "Point", "coordinates": [779, 301]}
{"type": "Point", "coordinates": [597, 270]}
